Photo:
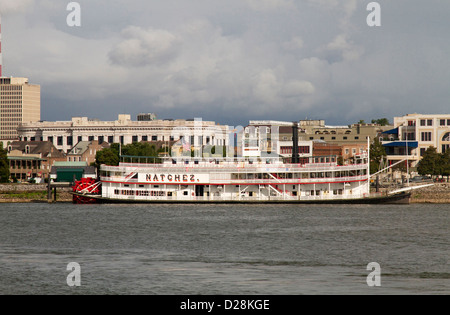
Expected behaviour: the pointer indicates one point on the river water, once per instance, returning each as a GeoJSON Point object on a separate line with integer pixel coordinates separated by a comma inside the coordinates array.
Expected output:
{"type": "Point", "coordinates": [224, 249]}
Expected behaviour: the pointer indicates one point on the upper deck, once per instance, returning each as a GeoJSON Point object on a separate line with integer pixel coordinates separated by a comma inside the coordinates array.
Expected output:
{"type": "Point", "coordinates": [235, 172]}
{"type": "Point", "coordinates": [239, 167]}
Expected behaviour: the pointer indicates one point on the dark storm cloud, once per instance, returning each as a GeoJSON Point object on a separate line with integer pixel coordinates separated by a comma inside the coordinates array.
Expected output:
{"type": "Point", "coordinates": [232, 60]}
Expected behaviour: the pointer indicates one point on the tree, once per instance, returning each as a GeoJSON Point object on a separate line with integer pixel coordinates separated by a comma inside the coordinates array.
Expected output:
{"type": "Point", "coordinates": [445, 162]}
{"type": "Point", "coordinates": [111, 156]}
{"type": "Point", "coordinates": [377, 153]}
{"type": "Point", "coordinates": [108, 156]}
{"type": "Point", "coordinates": [430, 163]}
{"type": "Point", "coordinates": [381, 121]}
{"type": "Point", "coordinates": [4, 165]}
{"type": "Point", "coordinates": [140, 149]}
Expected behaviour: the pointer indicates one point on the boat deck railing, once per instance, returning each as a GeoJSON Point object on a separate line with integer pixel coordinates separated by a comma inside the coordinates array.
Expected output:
{"type": "Point", "coordinates": [234, 168]}
{"type": "Point", "coordinates": [269, 181]}
{"type": "Point", "coordinates": [241, 198]}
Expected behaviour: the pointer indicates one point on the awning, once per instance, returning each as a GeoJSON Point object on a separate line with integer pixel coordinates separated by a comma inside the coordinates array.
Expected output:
{"type": "Point", "coordinates": [391, 132]}
{"type": "Point", "coordinates": [403, 144]}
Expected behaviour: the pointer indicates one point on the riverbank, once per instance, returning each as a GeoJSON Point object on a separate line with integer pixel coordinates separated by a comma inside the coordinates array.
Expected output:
{"type": "Point", "coordinates": [437, 194]}
{"type": "Point", "coordinates": [28, 193]}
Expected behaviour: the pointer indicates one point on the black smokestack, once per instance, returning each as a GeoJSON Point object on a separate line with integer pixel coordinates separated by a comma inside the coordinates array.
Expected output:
{"type": "Point", "coordinates": [295, 155]}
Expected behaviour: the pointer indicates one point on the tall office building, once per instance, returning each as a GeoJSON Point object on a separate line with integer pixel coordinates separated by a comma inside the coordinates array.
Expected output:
{"type": "Point", "coordinates": [20, 102]}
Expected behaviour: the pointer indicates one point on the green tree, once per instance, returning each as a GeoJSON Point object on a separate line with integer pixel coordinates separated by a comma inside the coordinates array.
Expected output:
{"type": "Point", "coordinates": [445, 162]}
{"type": "Point", "coordinates": [111, 156]}
{"type": "Point", "coordinates": [381, 121]}
{"type": "Point", "coordinates": [377, 153]}
{"type": "Point", "coordinates": [141, 149]}
{"type": "Point", "coordinates": [430, 163]}
{"type": "Point", "coordinates": [108, 156]}
{"type": "Point", "coordinates": [4, 165]}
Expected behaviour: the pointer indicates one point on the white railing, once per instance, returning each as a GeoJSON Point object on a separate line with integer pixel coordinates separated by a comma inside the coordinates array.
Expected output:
{"type": "Point", "coordinates": [237, 198]}
{"type": "Point", "coordinates": [243, 182]}
{"type": "Point", "coordinates": [236, 168]}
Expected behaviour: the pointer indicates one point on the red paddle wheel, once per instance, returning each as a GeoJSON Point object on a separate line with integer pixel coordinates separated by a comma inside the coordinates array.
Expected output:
{"type": "Point", "coordinates": [86, 187]}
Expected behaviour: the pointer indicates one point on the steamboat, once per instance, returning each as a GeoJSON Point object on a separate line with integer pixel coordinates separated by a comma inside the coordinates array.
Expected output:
{"type": "Point", "coordinates": [262, 180]}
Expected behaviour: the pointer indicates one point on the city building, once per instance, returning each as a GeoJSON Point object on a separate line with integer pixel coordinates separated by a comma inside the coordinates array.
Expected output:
{"type": "Point", "coordinates": [357, 134]}
{"type": "Point", "coordinates": [262, 139]}
{"type": "Point", "coordinates": [322, 150]}
{"type": "Point", "coordinates": [85, 151]}
{"type": "Point", "coordinates": [20, 102]}
{"type": "Point", "coordinates": [146, 117]}
{"type": "Point", "coordinates": [69, 172]}
{"type": "Point", "coordinates": [315, 139]}
{"type": "Point", "coordinates": [32, 159]}
{"type": "Point", "coordinates": [413, 134]}
{"type": "Point", "coordinates": [66, 134]}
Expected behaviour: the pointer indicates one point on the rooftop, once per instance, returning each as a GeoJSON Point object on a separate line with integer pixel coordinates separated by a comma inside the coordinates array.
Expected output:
{"type": "Point", "coordinates": [42, 148]}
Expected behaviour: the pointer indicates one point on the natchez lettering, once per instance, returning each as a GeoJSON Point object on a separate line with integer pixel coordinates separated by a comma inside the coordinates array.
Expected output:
{"type": "Point", "coordinates": [170, 178]}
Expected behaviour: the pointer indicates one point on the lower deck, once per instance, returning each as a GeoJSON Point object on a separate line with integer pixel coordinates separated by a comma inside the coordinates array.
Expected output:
{"type": "Point", "coordinates": [253, 192]}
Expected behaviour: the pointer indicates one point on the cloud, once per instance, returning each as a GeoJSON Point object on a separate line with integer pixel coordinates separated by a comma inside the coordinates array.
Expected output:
{"type": "Point", "coordinates": [233, 62]}
{"type": "Point", "coordinates": [266, 86]}
{"type": "Point", "coordinates": [345, 48]}
{"type": "Point", "coordinates": [297, 88]}
{"type": "Point", "coordinates": [267, 5]}
{"type": "Point", "coordinates": [8, 7]}
{"type": "Point", "coordinates": [142, 47]}
{"type": "Point", "coordinates": [294, 45]}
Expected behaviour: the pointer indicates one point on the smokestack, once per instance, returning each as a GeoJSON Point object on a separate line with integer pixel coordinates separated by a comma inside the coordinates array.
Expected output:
{"type": "Point", "coordinates": [295, 151]}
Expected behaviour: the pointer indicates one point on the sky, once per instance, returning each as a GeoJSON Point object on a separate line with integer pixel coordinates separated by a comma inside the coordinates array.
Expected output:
{"type": "Point", "coordinates": [232, 61]}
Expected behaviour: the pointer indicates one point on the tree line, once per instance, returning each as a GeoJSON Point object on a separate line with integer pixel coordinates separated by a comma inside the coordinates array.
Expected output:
{"type": "Point", "coordinates": [4, 165]}
{"type": "Point", "coordinates": [111, 156]}
{"type": "Point", "coordinates": [434, 163]}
